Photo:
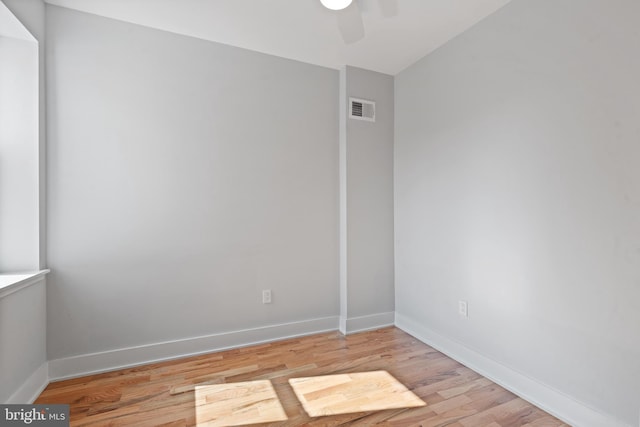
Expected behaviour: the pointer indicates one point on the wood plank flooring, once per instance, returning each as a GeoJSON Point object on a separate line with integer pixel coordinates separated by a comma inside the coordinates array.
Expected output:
{"type": "Point", "coordinates": [357, 392]}
{"type": "Point", "coordinates": [171, 393]}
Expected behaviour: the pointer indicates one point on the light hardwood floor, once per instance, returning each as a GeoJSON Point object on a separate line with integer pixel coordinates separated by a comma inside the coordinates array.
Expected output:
{"type": "Point", "coordinates": [189, 391]}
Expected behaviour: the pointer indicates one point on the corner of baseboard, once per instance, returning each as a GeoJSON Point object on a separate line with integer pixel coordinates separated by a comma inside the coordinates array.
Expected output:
{"type": "Point", "coordinates": [342, 325]}
{"type": "Point", "coordinates": [32, 387]}
{"type": "Point", "coordinates": [546, 398]}
{"type": "Point", "coordinates": [368, 322]}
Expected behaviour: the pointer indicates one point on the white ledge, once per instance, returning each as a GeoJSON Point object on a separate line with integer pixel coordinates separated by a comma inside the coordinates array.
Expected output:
{"type": "Point", "coordinates": [10, 283]}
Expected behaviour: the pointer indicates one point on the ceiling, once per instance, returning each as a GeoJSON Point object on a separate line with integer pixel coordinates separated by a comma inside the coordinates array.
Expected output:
{"type": "Point", "coordinates": [11, 27]}
{"type": "Point", "coordinates": [304, 30]}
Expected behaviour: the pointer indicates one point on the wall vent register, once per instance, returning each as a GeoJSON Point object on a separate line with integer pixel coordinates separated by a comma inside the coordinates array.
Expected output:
{"type": "Point", "coordinates": [362, 109]}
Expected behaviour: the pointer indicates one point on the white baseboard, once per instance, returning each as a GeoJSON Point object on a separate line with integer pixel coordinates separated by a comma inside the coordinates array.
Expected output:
{"type": "Point", "coordinates": [86, 364]}
{"type": "Point", "coordinates": [552, 401]}
{"type": "Point", "coordinates": [546, 398]}
{"type": "Point", "coordinates": [367, 323]}
{"type": "Point", "coordinates": [32, 387]}
{"type": "Point", "coordinates": [342, 325]}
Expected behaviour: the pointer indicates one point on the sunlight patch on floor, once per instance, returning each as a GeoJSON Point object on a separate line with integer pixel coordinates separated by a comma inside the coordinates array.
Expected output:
{"type": "Point", "coordinates": [349, 393]}
{"type": "Point", "coordinates": [237, 404]}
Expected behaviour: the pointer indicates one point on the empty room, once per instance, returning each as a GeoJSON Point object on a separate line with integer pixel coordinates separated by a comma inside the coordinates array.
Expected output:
{"type": "Point", "coordinates": [320, 212]}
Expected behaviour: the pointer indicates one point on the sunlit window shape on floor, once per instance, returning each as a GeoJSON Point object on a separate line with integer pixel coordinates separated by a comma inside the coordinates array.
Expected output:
{"type": "Point", "coordinates": [349, 393]}
{"type": "Point", "coordinates": [237, 404]}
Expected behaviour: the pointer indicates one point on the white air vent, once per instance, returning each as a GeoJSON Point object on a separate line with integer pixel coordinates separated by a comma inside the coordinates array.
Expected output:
{"type": "Point", "coordinates": [361, 109]}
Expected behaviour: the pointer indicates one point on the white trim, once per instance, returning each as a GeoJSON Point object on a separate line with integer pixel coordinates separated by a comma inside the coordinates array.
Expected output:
{"type": "Point", "coordinates": [32, 387]}
{"type": "Point", "coordinates": [342, 325]}
{"type": "Point", "coordinates": [86, 364]}
{"type": "Point", "coordinates": [16, 282]}
{"type": "Point", "coordinates": [342, 226]}
{"type": "Point", "coordinates": [20, 281]}
{"type": "Point", "coordinates": [369, 322]}
{"type": "Point", "coordinates": [546, 398]}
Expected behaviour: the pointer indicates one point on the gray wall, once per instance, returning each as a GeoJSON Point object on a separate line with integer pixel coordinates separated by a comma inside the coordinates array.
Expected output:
{"type": "Point", "coordinates": [517, 189]}
{"type": "Point", "coordinates": [23, 339]}
{"type": "Point", "coordinates": [184, 177]}
{"type": "Point", "coordinates": [367, 202]}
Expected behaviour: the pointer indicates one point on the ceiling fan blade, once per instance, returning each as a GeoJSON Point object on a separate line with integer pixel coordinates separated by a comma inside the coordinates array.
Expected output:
{"type": "Point", "coordinates": [350, 23]}
{"type": "Point", "coordinates": [388, 8]}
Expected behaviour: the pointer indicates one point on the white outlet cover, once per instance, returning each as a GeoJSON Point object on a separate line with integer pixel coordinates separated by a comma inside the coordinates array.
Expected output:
{"type": "Point", "coordinates": [266, 296]}
{"type": "Point", "coordinates": [463, 309]}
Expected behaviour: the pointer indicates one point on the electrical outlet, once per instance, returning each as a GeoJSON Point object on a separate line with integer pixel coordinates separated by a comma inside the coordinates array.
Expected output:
{"type": "Point", "coordinates": [463, 309]}
{"type": "Point", "coordinates": [266, 296]}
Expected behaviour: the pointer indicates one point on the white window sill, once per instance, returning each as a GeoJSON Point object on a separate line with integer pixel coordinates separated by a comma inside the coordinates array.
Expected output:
{"type": "Point", "coordinates": [10, 283]}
